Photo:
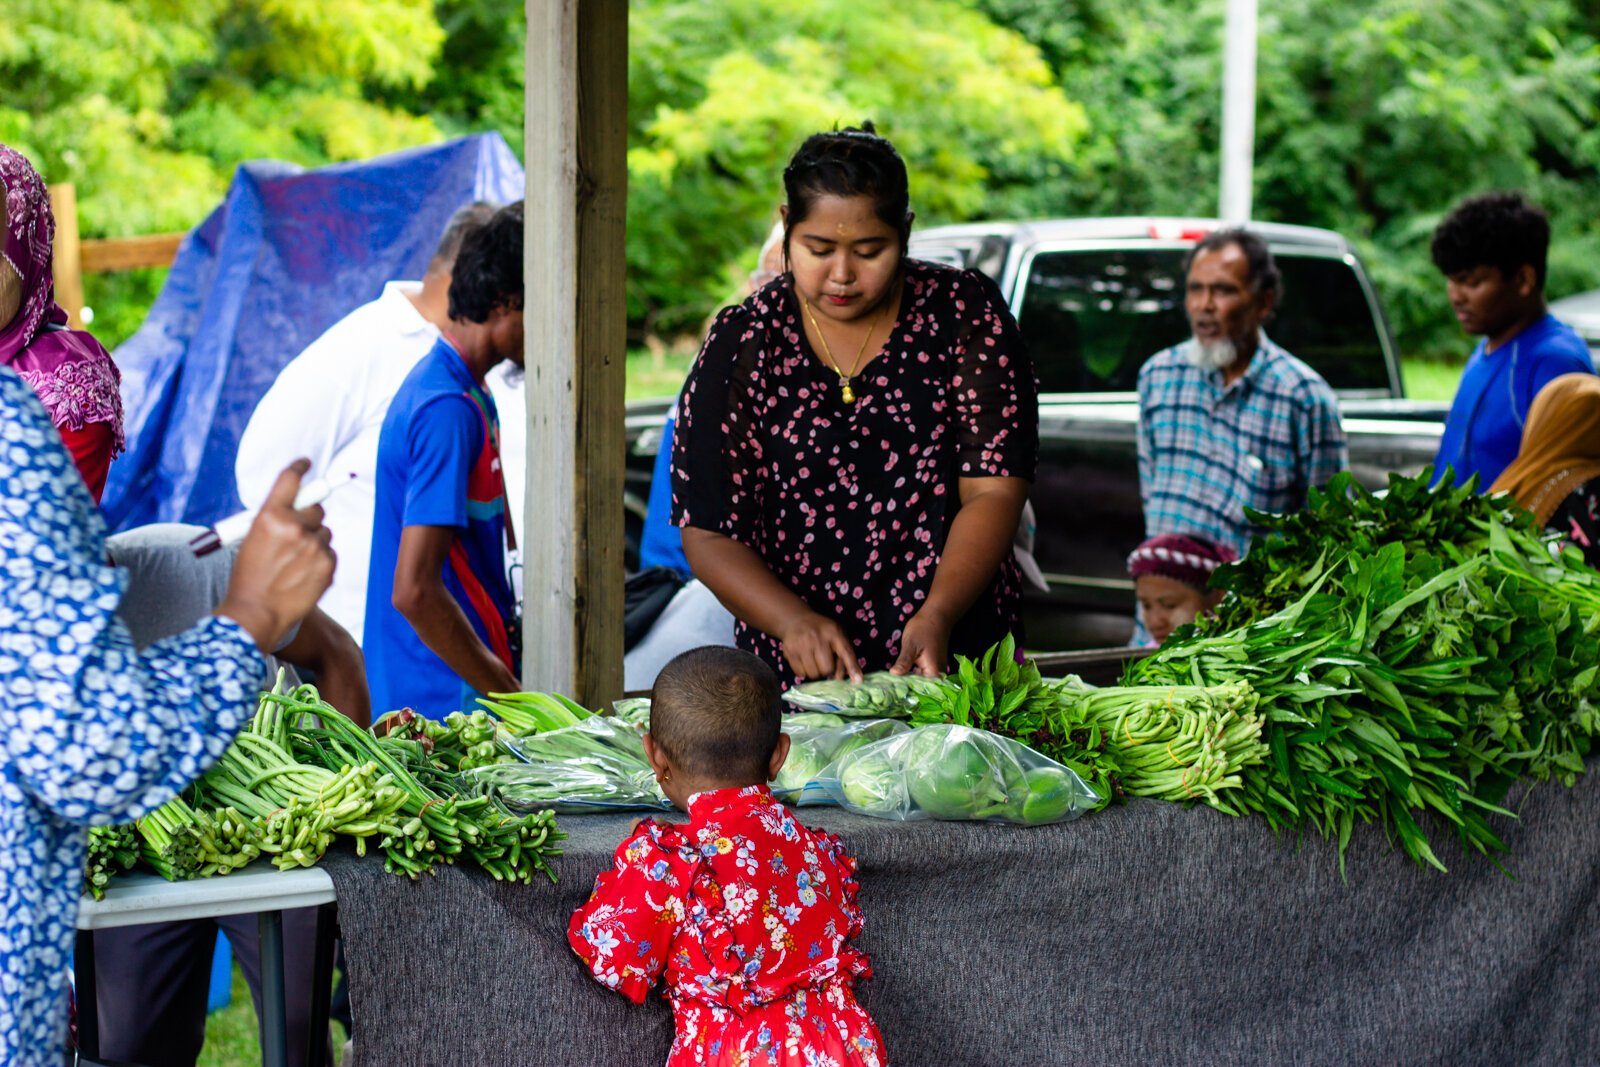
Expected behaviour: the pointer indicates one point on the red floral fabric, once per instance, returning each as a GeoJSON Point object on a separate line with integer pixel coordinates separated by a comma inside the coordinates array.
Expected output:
{"type": "Point", "coordinates": [749, 915]}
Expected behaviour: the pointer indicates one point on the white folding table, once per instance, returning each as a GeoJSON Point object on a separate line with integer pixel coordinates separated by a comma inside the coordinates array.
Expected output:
{"type": "Point", "coordinates": [134, 899]}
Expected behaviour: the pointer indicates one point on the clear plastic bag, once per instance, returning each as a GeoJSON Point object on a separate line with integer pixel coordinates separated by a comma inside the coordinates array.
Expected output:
{"type": "Point", "coordinates": [957, 773]}
{"type": "Point", "coordinates": [816, 740]}
{"type": "Point", "coordinates": [632, 710]}
{"type": "Point", "coordinates": [879, 695]}
{"type": "Point", "coordinates": [596, 765]}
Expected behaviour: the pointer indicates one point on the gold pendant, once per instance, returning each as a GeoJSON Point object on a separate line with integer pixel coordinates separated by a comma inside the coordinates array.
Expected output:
{"type": "Point", "coordinates": [846, 393]}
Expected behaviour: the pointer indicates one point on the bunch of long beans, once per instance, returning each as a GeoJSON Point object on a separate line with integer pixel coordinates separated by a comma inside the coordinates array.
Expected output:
{"type": "Point", "coordinates": [1175, 742]}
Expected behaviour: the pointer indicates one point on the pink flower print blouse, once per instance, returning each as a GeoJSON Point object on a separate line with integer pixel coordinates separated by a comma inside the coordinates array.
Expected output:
{"type": "Point", "coordinates": [850, 504]}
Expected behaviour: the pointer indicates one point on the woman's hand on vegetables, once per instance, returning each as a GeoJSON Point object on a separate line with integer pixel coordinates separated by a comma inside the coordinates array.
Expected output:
{"type": "Point", "coordinates": [284, 566]}
{"type": "Point", "coordinates": [816, 647]}
{"type": "Point", "coordinates": [924, 645]}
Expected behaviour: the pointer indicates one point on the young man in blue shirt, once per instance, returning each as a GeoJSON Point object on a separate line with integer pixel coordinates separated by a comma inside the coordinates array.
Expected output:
{"type": "Point", "coordinates": [439, 603]}
{"type": "Point", "coordinates": [1491, 250]}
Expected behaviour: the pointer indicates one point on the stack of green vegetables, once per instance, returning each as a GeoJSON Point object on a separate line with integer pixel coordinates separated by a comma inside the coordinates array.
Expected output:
{"type": "Point", "coordinates": [1174, 742]}
{"type": "Point", "coordinates": [1414, 652]}
{"type": "Point", "coordinates": [997, 694]}
{"type": "Point", "coordinates": [879, 695]}
{"type": "Point", "coordinates": [302, 775]}
{"type": "Point", "coordinates": [595, 764]}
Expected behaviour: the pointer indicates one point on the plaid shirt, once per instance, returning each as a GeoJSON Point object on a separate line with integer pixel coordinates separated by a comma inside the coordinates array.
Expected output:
{"type": "Point", "coordinates": [1207, 451]}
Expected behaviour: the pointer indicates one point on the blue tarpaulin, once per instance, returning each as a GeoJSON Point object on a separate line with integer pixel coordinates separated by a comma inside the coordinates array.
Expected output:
{"type": "Point", "coordinates": [290, 252]}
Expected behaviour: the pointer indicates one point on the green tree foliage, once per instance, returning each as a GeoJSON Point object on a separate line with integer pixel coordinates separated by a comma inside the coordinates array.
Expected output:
{"type": "Point", "coordinates": [147, 106]}
{"type": "Point", "coordinates": [723, 91]}
{"type": "Point", "coordinates": [1372, 119]}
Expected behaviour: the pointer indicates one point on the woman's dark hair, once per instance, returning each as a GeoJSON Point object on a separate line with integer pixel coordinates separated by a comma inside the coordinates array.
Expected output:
{"type": "Point", "coordinates": [716, 711]}
{"type": "Point", "coordinates": [1500, 230]}
{"type": "Point", "coordinates": [488, 270]}
{"type": "Point", "coordinates": [849, 162]}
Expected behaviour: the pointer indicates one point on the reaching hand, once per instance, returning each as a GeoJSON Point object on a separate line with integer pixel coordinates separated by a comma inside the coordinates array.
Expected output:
{"type": "Point", "coordinates": [284, 564]}
{"type": "Point", "coordinates": [816, 647]}
{"type": "Point", "coordinates": [924, 646]}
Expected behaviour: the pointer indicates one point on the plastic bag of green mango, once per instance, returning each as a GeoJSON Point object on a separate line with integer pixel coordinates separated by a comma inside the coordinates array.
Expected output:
{"type": "Point", "coordinates": [956, 773]}
{"type": "Point", "coordinates": [816, 740]}
{"type": "Point", "coordinates": [879, 695]}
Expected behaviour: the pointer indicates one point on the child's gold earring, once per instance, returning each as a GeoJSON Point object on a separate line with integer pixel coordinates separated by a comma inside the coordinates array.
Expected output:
{"type": "Point", "coordinates": [665, 775]}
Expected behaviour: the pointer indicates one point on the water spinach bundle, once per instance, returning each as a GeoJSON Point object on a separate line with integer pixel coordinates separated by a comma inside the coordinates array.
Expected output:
{"type": "Point", "coordinates": [1415, 652]}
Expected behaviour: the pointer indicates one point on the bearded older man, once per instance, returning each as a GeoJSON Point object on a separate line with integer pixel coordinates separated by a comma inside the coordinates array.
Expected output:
{"type": "Point", "coordinates": [1227, 419]}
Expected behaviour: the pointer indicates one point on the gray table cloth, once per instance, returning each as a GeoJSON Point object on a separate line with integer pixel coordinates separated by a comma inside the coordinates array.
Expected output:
{"type": "Point", "coordinates": [1147, 933]}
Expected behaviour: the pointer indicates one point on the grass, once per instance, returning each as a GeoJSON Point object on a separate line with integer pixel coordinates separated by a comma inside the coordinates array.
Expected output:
{"type": "Point", "coordinates": [1428, 379]}
{"type": "Point", "coordinates": [233, 1038]}
{"type": "Point", "coordinates": [657, 371]}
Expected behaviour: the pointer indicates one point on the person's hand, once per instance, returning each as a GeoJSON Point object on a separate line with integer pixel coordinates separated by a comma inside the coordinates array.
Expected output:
{"type": "Point", "coordinates": [284, 564]}
{"type": "Point", "coordinates": [816, 647]}
{"type": "Point", "coordinates": [924, 645]}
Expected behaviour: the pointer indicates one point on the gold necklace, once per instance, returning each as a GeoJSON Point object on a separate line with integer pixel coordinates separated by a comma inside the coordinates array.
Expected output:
{"type": "Point", "coordinates": [845, 392]}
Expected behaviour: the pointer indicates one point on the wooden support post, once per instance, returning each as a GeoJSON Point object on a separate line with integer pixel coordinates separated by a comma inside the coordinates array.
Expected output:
{"type": "Point", "coordinates": [577, 110]}
{"type": "Point", "coordinates": [67, 265]}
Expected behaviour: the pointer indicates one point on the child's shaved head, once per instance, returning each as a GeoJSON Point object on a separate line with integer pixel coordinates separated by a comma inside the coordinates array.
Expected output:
{"type": "Point", "coordinates": [716, 712]}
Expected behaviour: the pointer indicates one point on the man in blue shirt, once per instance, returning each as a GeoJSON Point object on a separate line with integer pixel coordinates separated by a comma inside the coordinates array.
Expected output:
{"type": "Point", "coordinates": [439, 603]}
{"type": "Point", "coordinates": [1491, 250]}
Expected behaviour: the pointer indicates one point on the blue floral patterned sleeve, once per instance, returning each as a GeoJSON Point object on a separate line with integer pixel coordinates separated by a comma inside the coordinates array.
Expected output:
{"type": "Point", "coordinates": [91, 731]}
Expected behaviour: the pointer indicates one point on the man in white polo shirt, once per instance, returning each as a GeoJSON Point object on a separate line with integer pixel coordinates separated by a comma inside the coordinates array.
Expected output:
{"type": "Point", "coordinates": [329, 402]}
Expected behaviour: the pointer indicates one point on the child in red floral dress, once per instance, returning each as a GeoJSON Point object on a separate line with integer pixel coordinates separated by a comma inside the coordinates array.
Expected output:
{"type": "Point", "coordinates": [748, 913]}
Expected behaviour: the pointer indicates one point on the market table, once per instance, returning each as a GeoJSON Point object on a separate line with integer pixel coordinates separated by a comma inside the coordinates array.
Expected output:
{"type": "Point", "coordinates": [1147, 933]}
{"type": "Point", "coordinates": [134, 899]}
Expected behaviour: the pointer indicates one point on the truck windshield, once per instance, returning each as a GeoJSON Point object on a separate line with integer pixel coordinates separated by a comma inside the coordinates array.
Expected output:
{"type": "Point", "coordinates": [1093, 317]}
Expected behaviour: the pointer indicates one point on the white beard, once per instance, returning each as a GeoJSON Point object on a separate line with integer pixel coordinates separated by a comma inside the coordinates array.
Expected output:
{"type": "Point", "coordinates": [1211, 355]}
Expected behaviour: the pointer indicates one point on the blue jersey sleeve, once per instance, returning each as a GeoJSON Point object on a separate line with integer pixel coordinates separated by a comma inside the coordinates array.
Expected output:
{"type": "Point", "coordinates": [442, 445]}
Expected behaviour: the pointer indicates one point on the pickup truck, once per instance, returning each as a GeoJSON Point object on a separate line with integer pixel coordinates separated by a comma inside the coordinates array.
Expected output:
{"type": "Point", "coordinates": [1095, 298]}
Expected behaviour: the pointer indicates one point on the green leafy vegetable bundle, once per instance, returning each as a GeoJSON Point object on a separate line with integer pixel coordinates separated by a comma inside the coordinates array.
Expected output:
{"type": "Point", "coordinates": [1415, 652]}
{"type": "Point", "coordinates": [997, 694]}
{"type": "Point", "coordinates": [596, 764]}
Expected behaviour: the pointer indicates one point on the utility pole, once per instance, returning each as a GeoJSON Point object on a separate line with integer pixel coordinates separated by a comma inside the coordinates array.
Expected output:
{"type": "Point", "coordinates": [1238, 111]}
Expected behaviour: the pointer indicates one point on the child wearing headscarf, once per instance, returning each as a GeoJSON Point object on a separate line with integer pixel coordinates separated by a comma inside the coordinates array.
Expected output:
{"type": "Point", "coordinates": [69, 370]}
{"type": "Point", "coordinates": [1556, 474]}
{"type": "Point", "coordinates": [1170, 575]}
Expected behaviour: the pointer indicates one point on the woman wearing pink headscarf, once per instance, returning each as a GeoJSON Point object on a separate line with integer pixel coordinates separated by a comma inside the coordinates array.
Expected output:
{"type": "Point", "coordinates": [71, 372]}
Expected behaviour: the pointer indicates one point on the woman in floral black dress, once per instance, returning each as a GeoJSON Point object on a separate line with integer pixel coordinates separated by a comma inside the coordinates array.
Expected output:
{"type": "Point", "coordinates": [1556, 474]}
{"type": "Point", "coordinates": [856, 441]}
